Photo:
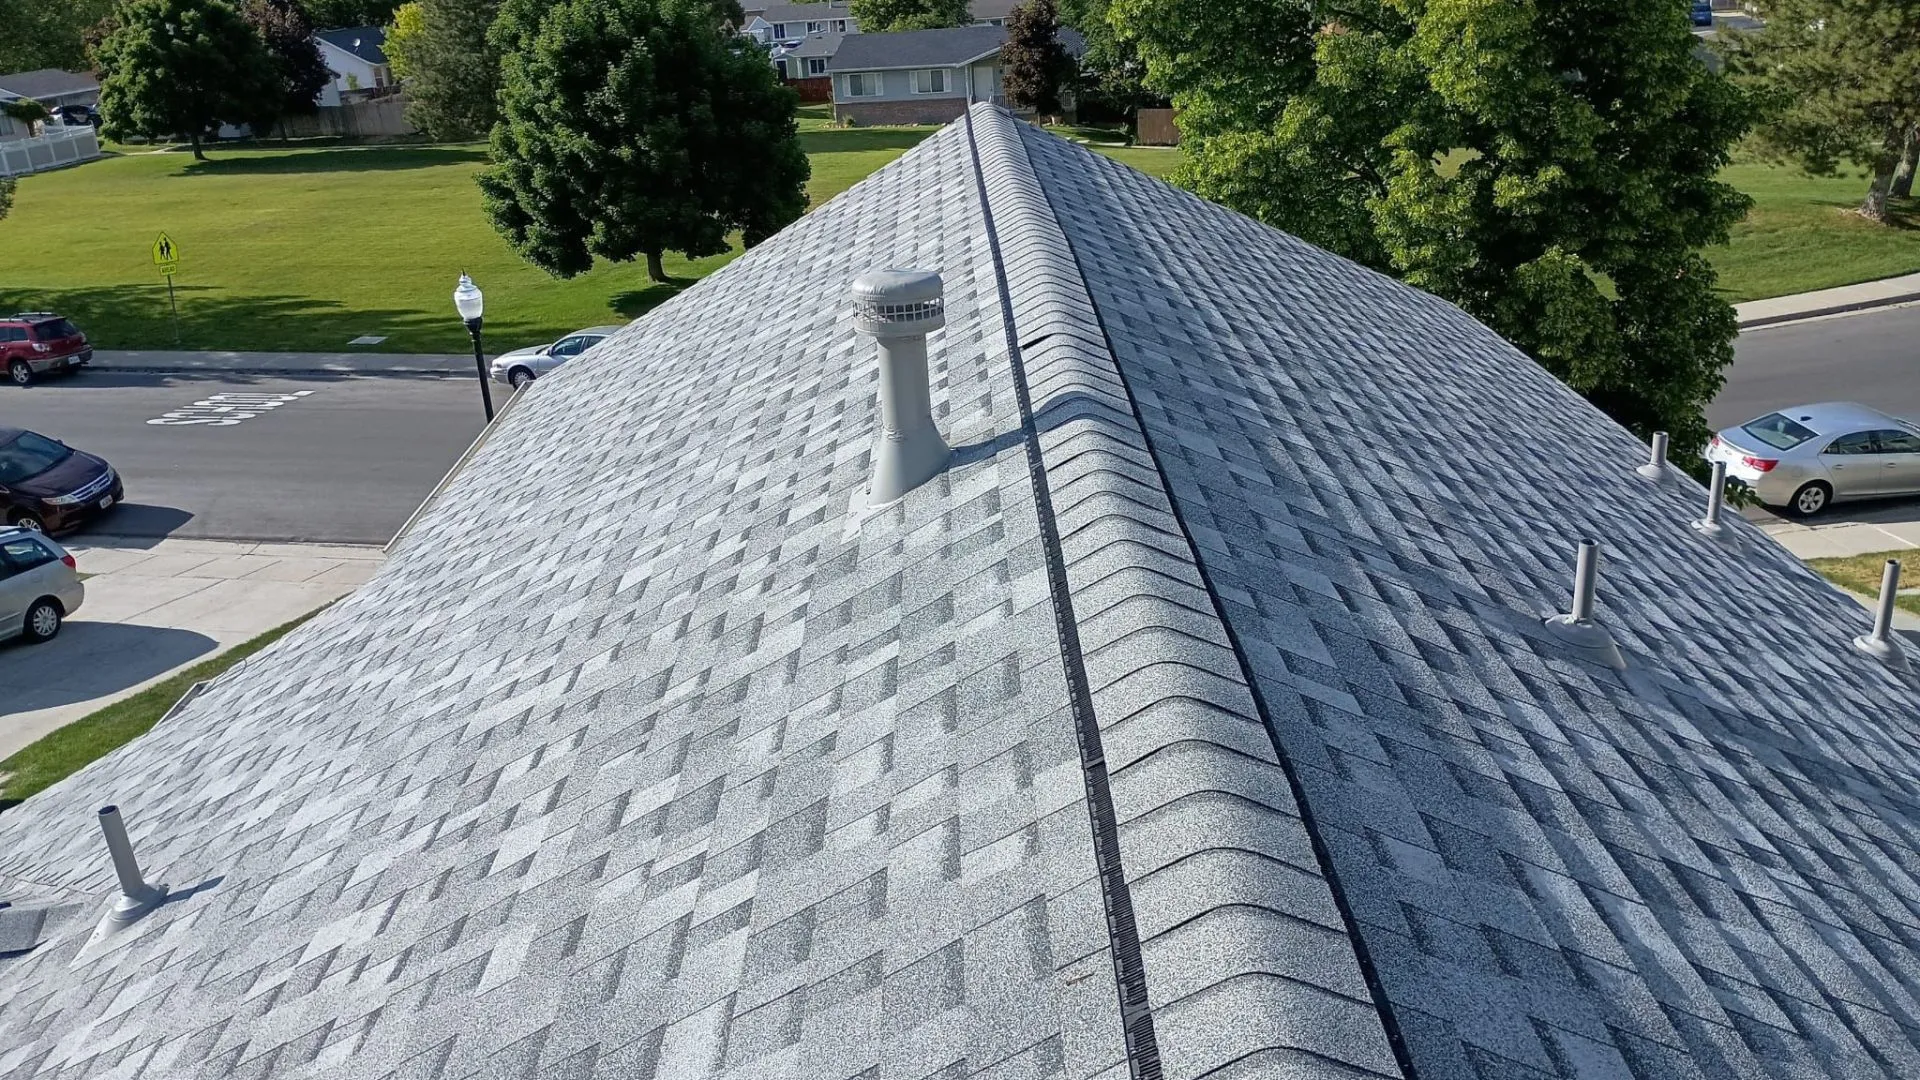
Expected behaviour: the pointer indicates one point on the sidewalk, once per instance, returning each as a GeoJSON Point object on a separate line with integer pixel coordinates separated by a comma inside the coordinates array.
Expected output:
{"type": "Point", "coordinates": [1868, 294]}
{"type": "Point", "coordinates": [270, 363]}
{"type": "Point", "coordinates": [154, 607]}
{"type": "Point", "coordinates": [1843, 538]}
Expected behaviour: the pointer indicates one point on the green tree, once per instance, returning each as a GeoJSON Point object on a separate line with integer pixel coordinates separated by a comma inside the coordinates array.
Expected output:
{"type": "Point", "coordinates": [328, 14]}
{"type": "Point", "coordinates": [1111, 76]}
{"type": "Point", "coordinates": [47, 33]}
{"type": "Point", "coordinates": [183, 67]}
{"type": "Point", "coordinates": [1844, 76]}
{"type": "Point", "coordinates": [6, 197]}
{"type": "Point", "coordinates": [403, 37]}
{"type": "Point", "coordinates": [891, 16]}
{"type": "Point", "coordinates": [452, 73]}
{"type": "Point", "coordinates": [1036, 65]}
{"type": "Point", "coordinates": [636, 127]}
{"type": "Point", "coordinates": [1551, 171]}
{"type": "Point", "coordinates": [288, 36]}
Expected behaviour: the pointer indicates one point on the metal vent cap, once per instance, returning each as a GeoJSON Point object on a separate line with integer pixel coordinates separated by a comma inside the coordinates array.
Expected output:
{"type": "Point", "coordinates": [898, 303]}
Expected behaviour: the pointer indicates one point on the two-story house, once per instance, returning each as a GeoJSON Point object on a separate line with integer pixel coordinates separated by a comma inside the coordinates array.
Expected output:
{"type": "Point", "coordinates": [921, 76]}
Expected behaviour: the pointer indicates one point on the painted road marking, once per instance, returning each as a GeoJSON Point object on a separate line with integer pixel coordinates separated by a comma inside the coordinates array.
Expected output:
{"type": "Point", "coordinates": [226, 410]}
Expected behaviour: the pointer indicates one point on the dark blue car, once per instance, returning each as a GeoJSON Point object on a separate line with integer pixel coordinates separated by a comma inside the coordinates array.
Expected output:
{"type": "Point", "coordinates": [1702, 12]}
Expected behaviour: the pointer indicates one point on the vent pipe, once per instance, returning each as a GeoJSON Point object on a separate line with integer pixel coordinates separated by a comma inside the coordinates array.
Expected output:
{"type": "Point", "coordinates": [899, 308]}
{"type": "Point", "coordinates": [1716, 496]}
{"type": "Point", "coordinates": [1578, 629]}
{"type": "Point", "coordinates": [1880, 644]}
{"type": "Point", "coordinates": [136, 896]}
{"type": "Point", "coordinates": [1656, 466]}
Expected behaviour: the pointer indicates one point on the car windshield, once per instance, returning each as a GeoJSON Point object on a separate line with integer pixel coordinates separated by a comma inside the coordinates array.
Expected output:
{"type": "Point", "coordinates": [1778, 432]}
{"type": "Point", "coordinates": [53, 330]}
{"type": "Point", "coordinates": [29, 455]}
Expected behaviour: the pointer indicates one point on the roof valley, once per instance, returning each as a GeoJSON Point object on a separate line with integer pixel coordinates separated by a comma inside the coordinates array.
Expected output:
{"type": "Point", "coordinates": [1214, 850]}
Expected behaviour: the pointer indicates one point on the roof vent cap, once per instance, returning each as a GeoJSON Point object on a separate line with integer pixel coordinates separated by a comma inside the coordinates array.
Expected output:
{"type": "Point", "coordinates": [899, 308]}
{"type": "Point", "coordinates": [898, 303]}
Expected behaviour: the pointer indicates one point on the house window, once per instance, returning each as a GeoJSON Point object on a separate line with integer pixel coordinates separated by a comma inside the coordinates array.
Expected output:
{"type": "Point", "coordinates": [839, 26]}
{"type": "Point", "coordinates": [815, 27]}
{"type": "Point", "coordinates": [860, 84]}
{"type": "Point", "coordinates": [930, 81]}
{"type": "Point", "coordinates": [779, 30]}
{"type": "Point", "coordinates": [781, 67]}
{"type": "Point", "coordinates": [816, 65]}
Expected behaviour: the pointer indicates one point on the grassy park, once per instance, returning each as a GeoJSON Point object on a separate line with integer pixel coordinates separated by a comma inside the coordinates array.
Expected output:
{"type": "Point", "coordinates": [306, 248]}
{"type": "Point", "coordinates": [309, 246]}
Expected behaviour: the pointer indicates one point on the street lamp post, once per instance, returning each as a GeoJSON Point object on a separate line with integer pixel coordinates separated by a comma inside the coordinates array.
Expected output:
{"type": "Point", "coordinates": [469, 303]}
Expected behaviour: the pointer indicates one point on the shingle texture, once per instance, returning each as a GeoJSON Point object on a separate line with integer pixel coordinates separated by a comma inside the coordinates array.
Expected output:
{"type": "Point", "coordinates": [1243, 551]}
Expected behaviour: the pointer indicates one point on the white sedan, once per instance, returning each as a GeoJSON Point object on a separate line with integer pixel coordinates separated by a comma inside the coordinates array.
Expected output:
{"type": "Point", "coordinates": [522, 366]}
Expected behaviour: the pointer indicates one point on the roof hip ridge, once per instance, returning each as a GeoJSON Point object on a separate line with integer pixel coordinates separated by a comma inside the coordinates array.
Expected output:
{"type": "Point", "coordinates": [1064, 358]}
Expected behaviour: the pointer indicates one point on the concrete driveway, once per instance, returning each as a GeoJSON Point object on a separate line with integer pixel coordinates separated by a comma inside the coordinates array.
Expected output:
{"type": "Point", "coordinates": [154, 606]}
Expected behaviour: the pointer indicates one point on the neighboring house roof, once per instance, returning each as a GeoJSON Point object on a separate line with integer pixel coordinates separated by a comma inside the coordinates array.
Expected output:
{"type": "Point", "coordinates": [367, 43]}
{"type": "Point", "coordinates": [950, 47]}
{"type": "Point", "coordinates": [48, 83]}
{"type": "Point", "coordinates": [1214, 660]}
{"type": "Point", "coordinates": [792, 13]}
{"type": "Point", "coordinates": [812, 45]}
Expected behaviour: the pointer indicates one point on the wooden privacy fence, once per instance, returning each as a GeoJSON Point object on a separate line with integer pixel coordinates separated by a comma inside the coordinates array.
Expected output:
{"type": "Point", "coordinates": [355, 119]}
{"type": "Point", "coordinates": [1155, 127]}
{"type": "Point", "coordinates": [813, 89]}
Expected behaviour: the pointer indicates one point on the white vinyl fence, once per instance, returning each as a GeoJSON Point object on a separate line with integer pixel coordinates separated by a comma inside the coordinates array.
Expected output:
{"type": "Point", "coordinates": [54, 147]}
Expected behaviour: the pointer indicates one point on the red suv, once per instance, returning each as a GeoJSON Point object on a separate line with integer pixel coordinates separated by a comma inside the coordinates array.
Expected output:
{"type": "Point", "coordinates": [38, 342]}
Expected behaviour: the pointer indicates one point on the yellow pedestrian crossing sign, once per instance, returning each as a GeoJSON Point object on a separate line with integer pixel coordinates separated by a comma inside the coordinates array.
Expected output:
{"type": "Point", "coordinates": [166, 254]}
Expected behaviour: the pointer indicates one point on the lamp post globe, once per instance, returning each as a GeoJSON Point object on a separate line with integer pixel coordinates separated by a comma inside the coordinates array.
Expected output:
{"type": "Point", "coordinates": [470, 304]}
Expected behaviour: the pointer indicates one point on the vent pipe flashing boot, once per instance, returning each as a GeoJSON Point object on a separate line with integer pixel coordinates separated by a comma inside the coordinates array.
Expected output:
{"type": "Point", "coordinates": [1656, 466]}
{"type": "Point", "coordinates": [136, 896]}
{"type": "Point", "coordinates": [899, 308]}
{"type": "Point", "coordinates": [1716, 495]}
{"type": "Point", "coordinates": [1881, 644]}
{"type": "Point", "coordinates": [1578, 629]}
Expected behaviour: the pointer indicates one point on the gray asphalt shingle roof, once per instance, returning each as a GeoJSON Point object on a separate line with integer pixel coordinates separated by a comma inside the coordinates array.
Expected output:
{"type": "Point", "coordinates": [366, 42]}
{"type": "Point", "coordinates": [930, 48]}
{"type": "Point", "coordinates": [1198, 719]}
{"type": "Point", "coordinates": [48, 83]}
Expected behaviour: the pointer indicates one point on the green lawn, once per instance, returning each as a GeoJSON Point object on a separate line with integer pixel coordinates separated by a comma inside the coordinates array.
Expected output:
{"type": "Point", "coordinates": [1800, 236]}
{"type": "Point", "coordinates": [306, 248]}
{"type": "Point", "coordinates": [67, 750]}
{"type": "Point", "coordinates": [1861, 574]}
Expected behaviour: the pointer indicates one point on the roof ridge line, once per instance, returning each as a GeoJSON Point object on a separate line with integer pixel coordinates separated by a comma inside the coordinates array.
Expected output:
{"type": "Point", "coordinates": [1052, 291]}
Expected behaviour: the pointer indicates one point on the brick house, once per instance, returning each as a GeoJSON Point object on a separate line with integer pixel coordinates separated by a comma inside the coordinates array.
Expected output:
{"type": "Point", "coordinates": [921, 76]}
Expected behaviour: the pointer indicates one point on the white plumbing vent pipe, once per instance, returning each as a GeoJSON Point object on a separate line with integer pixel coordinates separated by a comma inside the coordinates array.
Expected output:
{"type": "Point", "coordinates": [1656, 466]}
{"type": "Point", "coordinates": [136, 896]}
{"type": "Point", "coordinates": [899, 308]}
{"type": "Point", "coordinates": [1579, 630]}
{"type": "Point", "coordinates": [1881, 644]}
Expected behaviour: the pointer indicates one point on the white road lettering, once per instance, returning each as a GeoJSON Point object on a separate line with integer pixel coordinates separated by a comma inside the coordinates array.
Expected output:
{"type": "Point", "coordinates": [226, 410]}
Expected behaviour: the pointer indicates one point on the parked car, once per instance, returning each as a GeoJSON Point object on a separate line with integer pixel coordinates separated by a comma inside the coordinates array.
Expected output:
{"type": "Point", "coordinates": [37, 342]}
{"type": "Point", "coordinates": [47, 486]}
{"type": "Point", "coordinates": [522, 366]}
{"type": "Point", "coordinates": [1809, 457]}
{"type": "Point", "coordinates": [1702, 12]}
{"type": "Point", "coordinates": [39, 586]}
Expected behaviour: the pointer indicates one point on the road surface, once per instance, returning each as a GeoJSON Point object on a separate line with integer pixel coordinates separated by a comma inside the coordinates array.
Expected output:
{"type": "Point", "coordinates": [1872, 358]}
{"type": "Point", "coordinates": [232, 457]}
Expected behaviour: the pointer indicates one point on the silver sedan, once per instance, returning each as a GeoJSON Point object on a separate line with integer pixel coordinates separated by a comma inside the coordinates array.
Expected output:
{"type": "Point", "coordinates": [1809, 457]}
{"type": "Point", "coordinates": [522, 366]}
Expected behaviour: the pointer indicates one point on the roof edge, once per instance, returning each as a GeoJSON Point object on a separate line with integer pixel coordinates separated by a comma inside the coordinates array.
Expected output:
{"type": "Point", "coordinates": [1178, 720]}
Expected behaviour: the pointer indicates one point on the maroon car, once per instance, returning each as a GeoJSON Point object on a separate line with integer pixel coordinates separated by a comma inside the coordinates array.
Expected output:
{"type": "Point", "coordinates": [39, 342]}
{"type": "Point", "coordinates": [47, 486]}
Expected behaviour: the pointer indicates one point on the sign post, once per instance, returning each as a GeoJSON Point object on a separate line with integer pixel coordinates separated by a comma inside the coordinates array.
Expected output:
{"type": "Point", "coordinates": [166, 256]}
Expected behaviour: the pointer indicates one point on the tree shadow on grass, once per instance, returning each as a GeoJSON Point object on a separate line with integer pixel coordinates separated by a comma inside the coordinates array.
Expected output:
{"type": "Point", "coordinates": [1902, 214]}
{"type": "Point", "coordinates": [855, 140]}
{"type": "Point", "coordinates": [138, 317]}
{"type": "Point", "coordinates": [637, 302]}
{"type": "Point", "coordinates": [262, 159]}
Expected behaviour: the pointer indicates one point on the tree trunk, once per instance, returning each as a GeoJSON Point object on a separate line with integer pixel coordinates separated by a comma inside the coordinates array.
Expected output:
{"type": "Point", "coordinates": [197, 155]}
{"type": "Point", "coordinates": [1875, 208]}
{"type": "Point", "coordinates": [655, 271]}
{"type": "Point", "coordinates": [1909, 158]}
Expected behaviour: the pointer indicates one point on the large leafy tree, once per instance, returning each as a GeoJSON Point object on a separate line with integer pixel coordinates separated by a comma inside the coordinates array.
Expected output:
{"type": "Point", "coordinates": [403, 37]}
{"type": "Point", "coordinates": [889, 16]}
{"type": "Point", "coordinates": [452, 73]}
{"type": "Point", "coordinates": [1845, 77]}
{"type": "Point", "coordinates": [327, 14]}
{"type": "Point", "coordinates": [634, 127]}
{"type": "Point", "coordinates": [183, 67]}
{"type": "Point", "coordinates": [1111, 76]}
{"type": "Point", "coordinates": [47, 33]}
{"type": "Point", "coordinates": [1037, 66]}
{"type": "Point", "coordinates": [1549, 165]}
{"type": "Point", "coordinates": [288, 35]}
{"type": "Point", "coordinates": [6, 197]}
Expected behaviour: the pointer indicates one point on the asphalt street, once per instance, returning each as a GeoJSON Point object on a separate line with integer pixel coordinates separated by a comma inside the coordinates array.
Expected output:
{"type": "Point", "coordinates": [1872, 358]}
{"type": "Point", "coordinates": [325, 459]}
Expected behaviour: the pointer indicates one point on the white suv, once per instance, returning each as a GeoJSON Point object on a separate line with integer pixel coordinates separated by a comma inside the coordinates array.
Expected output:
{"type": "Point", "coordinates": [39, 585]}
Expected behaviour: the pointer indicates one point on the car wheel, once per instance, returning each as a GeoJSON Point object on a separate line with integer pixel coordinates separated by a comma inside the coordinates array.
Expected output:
{"type": "Point", "coordinates": [519, 377]}
{"type": "Point", "coordinates": [1810, 499]}
{"type": "Point", "coordinates": [19, 372]}
{"type": "Point", "coordinates": [28, 520]}
{"type": "Point", "coordinates": [43, 620]}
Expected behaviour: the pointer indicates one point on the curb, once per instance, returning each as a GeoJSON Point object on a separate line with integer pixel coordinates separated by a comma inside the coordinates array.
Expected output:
{"type": "Point", "coordinates": [1831, 309]}
{"type": "Point", "coordinates": [178, 369]}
